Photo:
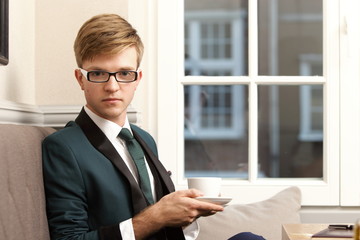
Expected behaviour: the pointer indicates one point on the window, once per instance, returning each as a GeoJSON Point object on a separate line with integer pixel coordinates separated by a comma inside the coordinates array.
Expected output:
{"type": "Point", "coordinates": [215, 115]}
{"type": "Point", "coordinates": [278, 123]}
{"type": "Point", "coordinates": [215, 45]}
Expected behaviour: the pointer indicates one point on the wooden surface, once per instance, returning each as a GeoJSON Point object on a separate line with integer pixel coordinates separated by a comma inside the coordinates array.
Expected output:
{"type": "Point", "coordinates": [304, 232]}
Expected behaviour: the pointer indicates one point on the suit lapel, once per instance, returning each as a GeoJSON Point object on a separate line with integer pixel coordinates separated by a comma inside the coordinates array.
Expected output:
{"type": "Point", "coordinates": [98, 139]}
{"type": "Point", "coordinates": [150, 156]}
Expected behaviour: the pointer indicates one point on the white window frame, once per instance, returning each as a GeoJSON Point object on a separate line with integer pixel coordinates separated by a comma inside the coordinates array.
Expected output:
{"type": "Point", "coordinates": [349, 103]}
{"type": "Point", "coordinates": [336, 189]}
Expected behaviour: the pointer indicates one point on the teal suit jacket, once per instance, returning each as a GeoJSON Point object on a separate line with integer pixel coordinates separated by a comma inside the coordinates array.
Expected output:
{"type": "Point", "coordinates": [89, 189]}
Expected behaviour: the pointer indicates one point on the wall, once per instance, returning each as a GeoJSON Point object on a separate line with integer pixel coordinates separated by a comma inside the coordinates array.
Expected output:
{"type": "Point", "coordinates": [57, 23]}
{"type": "Point", "coordinates": [39, 84]}
{"type": "Point", "coordinates": [41, 35]}
{"type": "Point", "coordinates": [17, 79]}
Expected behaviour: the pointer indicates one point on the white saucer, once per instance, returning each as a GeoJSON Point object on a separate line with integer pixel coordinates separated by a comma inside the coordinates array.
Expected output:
{"type": "Point", "coordinates": [215, 200]}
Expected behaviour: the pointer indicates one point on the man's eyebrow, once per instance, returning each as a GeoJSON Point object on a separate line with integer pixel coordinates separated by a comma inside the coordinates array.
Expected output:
{"type": "Point", "coordinates": [125, 68]}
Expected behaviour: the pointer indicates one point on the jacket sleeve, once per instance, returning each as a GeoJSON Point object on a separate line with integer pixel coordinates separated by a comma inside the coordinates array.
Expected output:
{"type": "Point", "coordinates": [66, 202]}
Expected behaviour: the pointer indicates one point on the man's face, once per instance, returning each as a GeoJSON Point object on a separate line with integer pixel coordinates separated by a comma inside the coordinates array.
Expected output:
{"type": "Point", "coordinates": [110, 100]}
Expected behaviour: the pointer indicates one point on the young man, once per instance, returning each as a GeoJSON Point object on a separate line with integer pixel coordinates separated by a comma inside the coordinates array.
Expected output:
{"type": "Point", "coordinates": [94, 188]}
{"type": "Point", "coordinates": [91, 180]}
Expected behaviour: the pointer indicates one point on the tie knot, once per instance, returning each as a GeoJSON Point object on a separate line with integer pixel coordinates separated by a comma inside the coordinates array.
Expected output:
{"type": "Point", "coordinates": [126, 134]}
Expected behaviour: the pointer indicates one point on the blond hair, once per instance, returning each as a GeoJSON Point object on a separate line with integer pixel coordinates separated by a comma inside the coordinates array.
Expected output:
{"type": "Point", "coordinates": [106, 34]}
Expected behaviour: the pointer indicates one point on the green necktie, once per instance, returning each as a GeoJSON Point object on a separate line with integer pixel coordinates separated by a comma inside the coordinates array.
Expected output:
{"type": "Point", "coordinates": [137, 155]}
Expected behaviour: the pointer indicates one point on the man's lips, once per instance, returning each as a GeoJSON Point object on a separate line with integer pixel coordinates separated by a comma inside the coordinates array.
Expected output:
{"type": "Point", "coordinates": [111, 100]}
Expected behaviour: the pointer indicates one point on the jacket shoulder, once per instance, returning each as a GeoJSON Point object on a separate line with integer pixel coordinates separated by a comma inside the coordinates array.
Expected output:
{"type": "Point", "coordinates": [71, 130]}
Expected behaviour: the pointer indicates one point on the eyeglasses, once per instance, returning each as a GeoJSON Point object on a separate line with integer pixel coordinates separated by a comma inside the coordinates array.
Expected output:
{"type": "Point", "coordinates": [98, 76]}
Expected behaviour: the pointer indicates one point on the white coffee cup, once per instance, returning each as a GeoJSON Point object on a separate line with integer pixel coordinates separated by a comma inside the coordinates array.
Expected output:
{"type": "Point", "coordinates": [209, 186]}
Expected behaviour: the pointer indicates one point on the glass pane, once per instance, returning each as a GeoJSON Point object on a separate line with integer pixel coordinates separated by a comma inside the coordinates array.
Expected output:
{"type": "Point", "coordinates": [291, 131]}
{"type": "Point", "coordinates": [215, 130]}
{"type": "Point", "coordinates": [290, 37]}
{"type": "Point", "coordinates": [216, 37]}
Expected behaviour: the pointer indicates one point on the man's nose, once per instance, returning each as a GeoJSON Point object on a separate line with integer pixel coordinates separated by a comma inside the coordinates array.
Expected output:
{"type": "Point", "coordinates": [112, 84]}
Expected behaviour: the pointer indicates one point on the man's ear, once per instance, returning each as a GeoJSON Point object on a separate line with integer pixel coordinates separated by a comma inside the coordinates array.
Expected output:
{"type": "Point", "coordinates": [139, 77]}
{"type": "Point", "coordinates": [79, 78]}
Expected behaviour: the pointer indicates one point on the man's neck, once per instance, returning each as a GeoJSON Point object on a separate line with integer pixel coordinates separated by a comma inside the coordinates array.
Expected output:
{"type": "Point", "coordinates": [93, 115]}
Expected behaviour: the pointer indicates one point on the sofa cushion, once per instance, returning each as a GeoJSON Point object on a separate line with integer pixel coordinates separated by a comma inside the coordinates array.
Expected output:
{"type": "Point", "coordinates": [263, 218]}
{"type": "Point", "coordinates": [22, 201]}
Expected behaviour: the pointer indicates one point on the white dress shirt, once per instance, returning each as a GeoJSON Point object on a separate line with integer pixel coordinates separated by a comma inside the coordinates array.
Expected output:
{"type": "Point", "coordinates": [111, 131]}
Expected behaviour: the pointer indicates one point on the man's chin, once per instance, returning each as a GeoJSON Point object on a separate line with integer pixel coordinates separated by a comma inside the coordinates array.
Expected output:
{"type": "Point", "coordinates": [114, 116]}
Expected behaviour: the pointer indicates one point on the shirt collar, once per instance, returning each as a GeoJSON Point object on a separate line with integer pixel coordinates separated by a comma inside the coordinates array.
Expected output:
{"type": "Point", "coordinates": [109, 128]}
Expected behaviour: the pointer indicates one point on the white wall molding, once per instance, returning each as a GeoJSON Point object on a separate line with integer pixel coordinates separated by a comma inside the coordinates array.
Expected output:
{"type": "Point", "coordinates": [19, 113]}
{"type": "Point", "coordinates": [49, 115]}
{"type": "Point", "coordinates": [58, 116]}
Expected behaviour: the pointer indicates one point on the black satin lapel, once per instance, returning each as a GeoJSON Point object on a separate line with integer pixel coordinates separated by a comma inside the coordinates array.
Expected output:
{"type": "Point", "coordinates": [98, 139]}
{"type": "Point", "coordinates": [163, 173]}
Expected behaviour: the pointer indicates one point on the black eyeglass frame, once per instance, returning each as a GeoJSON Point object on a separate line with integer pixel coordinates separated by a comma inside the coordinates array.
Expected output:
{"type": "Point", "coordinates": [86, 74]}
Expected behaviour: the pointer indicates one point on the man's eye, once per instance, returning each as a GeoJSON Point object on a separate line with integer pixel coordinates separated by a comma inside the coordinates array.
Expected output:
{"type": "Point", "coordinates": [124, 73]}
{"type": "Point", "coordinates": [97, 73]}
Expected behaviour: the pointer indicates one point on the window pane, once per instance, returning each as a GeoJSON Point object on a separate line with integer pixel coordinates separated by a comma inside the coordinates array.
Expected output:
{"type": "Point", "coordinates": [216, 140]}
{"type": "Point", "coordinates": [216, 37]}
{"type": "Point", "coordinates": [291, 131]}
{"type": "Point", "coordinates": [290, 37]}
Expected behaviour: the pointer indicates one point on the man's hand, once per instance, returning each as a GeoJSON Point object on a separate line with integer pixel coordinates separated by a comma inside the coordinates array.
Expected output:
{"type": "Point", "coordinates": [176, 209]}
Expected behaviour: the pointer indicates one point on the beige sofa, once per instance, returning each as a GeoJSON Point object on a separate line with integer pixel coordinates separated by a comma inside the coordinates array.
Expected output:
{"type": "Point", "coordinates": [22, 204]}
